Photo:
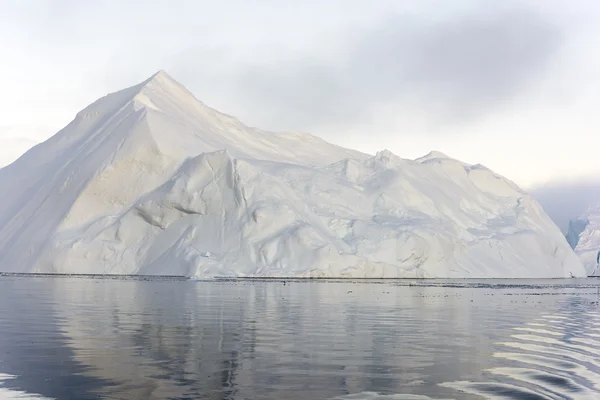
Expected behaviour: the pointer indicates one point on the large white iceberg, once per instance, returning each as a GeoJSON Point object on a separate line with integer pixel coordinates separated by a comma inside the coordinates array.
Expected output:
{"type": "Point", "coordinates": [149, 180]}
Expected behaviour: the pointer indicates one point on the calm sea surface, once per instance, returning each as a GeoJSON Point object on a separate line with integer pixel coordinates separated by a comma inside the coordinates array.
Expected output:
{"type": "Point", "coordinates": [76, 338]}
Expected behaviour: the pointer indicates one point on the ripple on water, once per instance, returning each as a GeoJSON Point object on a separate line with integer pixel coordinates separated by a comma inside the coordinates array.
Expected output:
{"type": "Point", "coordinates": [496, 390]}
{"type": "Point", "coordinates": [10, 394]}
{"type": "Point", "coordinates": [551, 362]}
{"type": "Point", "coordinates": [377, 396]}
{"type": "Point", "coordinates": [306, 340]}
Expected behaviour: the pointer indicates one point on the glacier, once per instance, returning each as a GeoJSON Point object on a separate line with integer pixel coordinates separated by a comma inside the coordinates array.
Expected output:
{"type": "Point", "coordinates": [149, 180]}
{"type": "Point", "coordinates": [584, 237]}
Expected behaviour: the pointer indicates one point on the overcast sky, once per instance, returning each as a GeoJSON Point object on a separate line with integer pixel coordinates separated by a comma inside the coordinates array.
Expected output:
{"type": "Point", "coordinates": [514, 85]}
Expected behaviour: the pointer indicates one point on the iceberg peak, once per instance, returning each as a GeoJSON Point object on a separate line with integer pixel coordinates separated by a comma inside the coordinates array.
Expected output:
{"type": "Point", "coordinates": [433, 155]}
{"type": "Point", "coordinates": [161, 74]}
{"type": "Point", "coordinates": [162, 92]}
{"type": "Point", "coordinates": [385, 153]}
{"type": "Point", "coordinates": [164, 80]}
{"type": "Point", "coordinates": [388, 158]}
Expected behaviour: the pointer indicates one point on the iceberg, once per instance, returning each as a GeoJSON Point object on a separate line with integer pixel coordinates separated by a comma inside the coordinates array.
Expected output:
{"type": "Point", "coordinates": [151, 181]}
{"type": "Point", "coordinates": [584, 238]}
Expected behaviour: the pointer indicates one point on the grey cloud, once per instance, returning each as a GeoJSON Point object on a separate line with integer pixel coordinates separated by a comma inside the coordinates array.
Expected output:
{"type": "Point", "coordinates": [453, 71]}
{"type": "Point", "coordinates": [299, 94]}
{"type": "Point", "coordinates": [564, 201]}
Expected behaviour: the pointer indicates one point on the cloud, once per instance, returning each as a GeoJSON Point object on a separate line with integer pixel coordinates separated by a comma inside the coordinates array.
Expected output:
{"type": "Point", "coordinates": [12, 148]}
{"type": "Point", "coordinates": [564, 201]}
{"type": "Point", "coordinates": [16, 140]}
{"type": "Point", "coordinates": [453, 70]}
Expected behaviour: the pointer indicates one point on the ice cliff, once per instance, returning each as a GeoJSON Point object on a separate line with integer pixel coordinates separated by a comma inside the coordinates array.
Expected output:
{"type": "Point", "coordinates": [149, 180]}
{"type": "Point", "coordinates": [584, 238]}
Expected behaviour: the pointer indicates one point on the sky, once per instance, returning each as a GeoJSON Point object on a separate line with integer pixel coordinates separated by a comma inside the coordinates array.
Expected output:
{"type": "Point", "coordinates": [513, 85]}
{"type": "Point", "coordinates": [567, 200]}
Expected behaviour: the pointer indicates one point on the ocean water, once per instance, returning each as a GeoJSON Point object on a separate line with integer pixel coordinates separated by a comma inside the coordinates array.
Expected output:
{"type": "Point", "coordinates": [91, 338]}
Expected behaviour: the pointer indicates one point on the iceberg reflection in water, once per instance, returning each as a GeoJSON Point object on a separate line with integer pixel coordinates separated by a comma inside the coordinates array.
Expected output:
{"type": "Point", "coordinates": [10, 394]}
{"type": "Point", "coordinates": [344, 340]}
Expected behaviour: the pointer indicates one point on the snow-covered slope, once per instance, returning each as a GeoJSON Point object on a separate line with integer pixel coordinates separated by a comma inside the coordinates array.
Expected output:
{"type": "Point", "coordinates": [584, 237]}
{"type": "Point", "coordinates": [149, 180]}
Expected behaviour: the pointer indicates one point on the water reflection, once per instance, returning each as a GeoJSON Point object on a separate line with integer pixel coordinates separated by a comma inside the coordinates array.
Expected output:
{"type": "Point", "coordinates": [32, 348]}
{"type": "Point", "coordinates": [84, 338]}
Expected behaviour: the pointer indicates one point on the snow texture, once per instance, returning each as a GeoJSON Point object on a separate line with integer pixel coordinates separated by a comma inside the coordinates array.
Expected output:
{"type": "Point", "coordinates": [149, 180]}
{"type": "Point", "coordinates": [584, 238]}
